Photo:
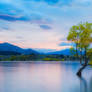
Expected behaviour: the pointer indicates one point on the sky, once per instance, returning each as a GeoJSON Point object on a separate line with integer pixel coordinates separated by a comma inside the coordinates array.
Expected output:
{"type": "Point", "coordinates": [42, 24]}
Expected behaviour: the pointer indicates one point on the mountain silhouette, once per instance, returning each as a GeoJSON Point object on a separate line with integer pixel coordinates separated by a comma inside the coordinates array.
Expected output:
{"type": "Point", "coordinates": [7, 48]}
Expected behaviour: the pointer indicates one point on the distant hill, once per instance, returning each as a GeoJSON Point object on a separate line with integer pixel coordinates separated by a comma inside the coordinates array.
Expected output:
{"type": "Point", "coordinates": [64, 52]}
{"type": "Point", "coordinates": [44, 51]}
{"type": "Point", "coordinates": [9, 53]}
{"type": "Point", "coordinates": [61, 52]}
{"type": "Point", "coordinates": [7, 48]}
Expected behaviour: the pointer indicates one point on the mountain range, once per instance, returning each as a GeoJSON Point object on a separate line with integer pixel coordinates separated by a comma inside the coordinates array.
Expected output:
{"type": "Point", "coordinates": [7, 48]}
{"type": "Point", "coordinates": [63, 52]}
{"type": "Point", "coordinates": [10, 49]}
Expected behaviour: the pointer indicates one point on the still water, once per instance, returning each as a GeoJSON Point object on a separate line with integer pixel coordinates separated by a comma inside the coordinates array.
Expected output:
{"type": "Point", "coordinates": [44, 77]}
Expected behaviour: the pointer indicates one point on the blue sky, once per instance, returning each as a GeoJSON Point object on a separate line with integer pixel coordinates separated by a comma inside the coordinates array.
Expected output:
{"type": "Point", "coordinates": [41, 23]}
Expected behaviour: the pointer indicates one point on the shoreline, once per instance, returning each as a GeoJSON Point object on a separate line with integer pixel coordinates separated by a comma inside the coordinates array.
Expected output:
{"type": "Point", "coordinates": [39, 62]}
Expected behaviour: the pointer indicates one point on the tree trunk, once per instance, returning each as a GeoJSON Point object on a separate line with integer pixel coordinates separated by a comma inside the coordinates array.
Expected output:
{"type": "Point", "coordinates": [77, 51]}
{"type": "Point", "coordinates": [81, 56]}
{"type": "Point", "coordinates": [79, 73]}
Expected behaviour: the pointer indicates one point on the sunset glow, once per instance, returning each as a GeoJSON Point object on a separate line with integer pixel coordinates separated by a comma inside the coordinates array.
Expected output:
{"type": "Point", "coordinates": [41, 23]}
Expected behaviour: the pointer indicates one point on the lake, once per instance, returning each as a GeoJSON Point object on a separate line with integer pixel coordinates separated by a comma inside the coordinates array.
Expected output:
{"type": "Point", "coordinates": [43, 77]}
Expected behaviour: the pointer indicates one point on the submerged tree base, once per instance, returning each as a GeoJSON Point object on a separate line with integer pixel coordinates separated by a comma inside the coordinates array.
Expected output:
{"type": "Point", "coordinates": [79, 73]}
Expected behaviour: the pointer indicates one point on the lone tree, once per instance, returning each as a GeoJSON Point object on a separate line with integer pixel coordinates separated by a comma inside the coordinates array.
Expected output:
{"type": "Point", "coordinates": [81, 35]}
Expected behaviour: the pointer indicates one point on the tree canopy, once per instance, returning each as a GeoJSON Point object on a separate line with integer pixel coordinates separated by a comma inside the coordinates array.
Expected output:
{"type": "Point", "coordinates": [81, 34]}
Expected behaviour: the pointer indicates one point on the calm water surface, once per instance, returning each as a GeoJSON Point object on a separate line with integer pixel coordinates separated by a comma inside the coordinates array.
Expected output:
{"type": "Point", "coordinates": [44, 77]}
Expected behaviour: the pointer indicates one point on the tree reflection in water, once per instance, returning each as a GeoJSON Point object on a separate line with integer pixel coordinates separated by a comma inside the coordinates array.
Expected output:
{"type": "Point", "coordinates": [90, 85]}
{"type": "Point", "coordinates": [85, 86]}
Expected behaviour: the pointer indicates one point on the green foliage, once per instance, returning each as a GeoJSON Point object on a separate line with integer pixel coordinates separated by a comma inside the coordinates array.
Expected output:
{"type": "Point", "coordinates": [52, 59]}
{"type": "Point", "coordinates": [62, 59]}
{"type": "Point", "coordinates": [72, 51]}
{"type": "Point", "coordinates": [81, 34]}
{"type": "Point", "coordinates": [90, 62]}
{"type": "Point", "coordinates": [12, 58]}
{"type": "Point", "coordinates": [89, 53]}
{"type": "Point", "coordinates": [47, 59]}
{"type": "Point", "coordinates": [73, 34]}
